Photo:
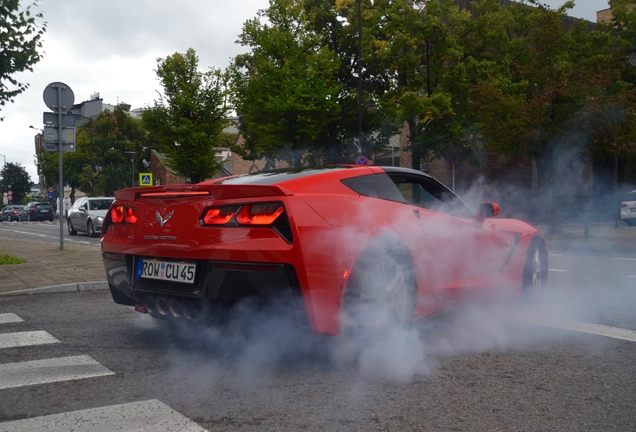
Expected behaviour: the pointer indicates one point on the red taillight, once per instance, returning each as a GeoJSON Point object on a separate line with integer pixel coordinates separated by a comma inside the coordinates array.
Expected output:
{"type": "Point", "coordinates": [117, 214]}
{"type": "Point", "coordinates": [131, 215]}
{"type": "Point", "coordinates": [122, 214]}
{"type": "Point", "coordinates": [248, 214]}
{"type": "Point", "coordinates": [219, 215]}
{"type": "Point", "coordinates": [259, 214]}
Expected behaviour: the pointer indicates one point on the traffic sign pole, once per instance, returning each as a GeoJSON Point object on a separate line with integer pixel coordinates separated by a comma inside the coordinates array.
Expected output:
{"type": "Point", "coordinates": [59, 97]}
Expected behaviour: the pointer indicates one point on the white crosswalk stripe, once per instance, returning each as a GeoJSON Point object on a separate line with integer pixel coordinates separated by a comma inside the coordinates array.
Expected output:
{"type": "Point", "coordinates": [151, 415]}
{"type": "Point", "coordinates": [20, 339]}
{"type": "Point", "coordinates": [49, 371]}
{"type": "Point", "coordinates": [7, 318]}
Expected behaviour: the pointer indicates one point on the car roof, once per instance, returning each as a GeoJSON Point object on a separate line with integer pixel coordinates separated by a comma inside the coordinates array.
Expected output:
{"type": "Point", "coordinates": [283, 176]}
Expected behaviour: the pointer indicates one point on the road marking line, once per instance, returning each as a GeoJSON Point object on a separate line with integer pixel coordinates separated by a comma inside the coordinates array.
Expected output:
{"type": "Point", "coordinates": [633, 276]}
{"type": "Point", "coordinates": [558, 270]}
{"type": "Point", "coordinates": [49, 371]}
{"type": "Point", "coordinates": [20, 339]}
{"type": "Point", "coordinates": [626, 259]}
{"type": "Point", "coordinates": [595, 329]}
{"type": "Point", "coordinates": [151, 415]}
{"type": "Point", "coordinates": [9, 318]}
{"type": "Point", "coordinates": [555, 254]}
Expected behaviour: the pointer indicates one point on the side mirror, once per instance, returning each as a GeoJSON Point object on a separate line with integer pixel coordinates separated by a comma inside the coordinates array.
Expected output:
{"type": "Point", "coordinates": [486, 210]}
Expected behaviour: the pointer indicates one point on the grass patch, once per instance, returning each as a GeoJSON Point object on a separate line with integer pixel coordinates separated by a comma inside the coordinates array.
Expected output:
{"type": "Point", "coordinates": [10, 259]}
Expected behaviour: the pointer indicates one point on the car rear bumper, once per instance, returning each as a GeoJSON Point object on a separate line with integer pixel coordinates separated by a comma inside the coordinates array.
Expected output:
{"type": "Point", "coordinates": [216, 283]}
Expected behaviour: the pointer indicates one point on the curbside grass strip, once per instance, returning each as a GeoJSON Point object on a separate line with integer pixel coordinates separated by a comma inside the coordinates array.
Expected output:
{"type": "Point", "coordinates": [74, 287]}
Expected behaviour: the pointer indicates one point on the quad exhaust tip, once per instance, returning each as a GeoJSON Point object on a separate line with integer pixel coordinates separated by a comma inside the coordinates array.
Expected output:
{"type": "Point", "coordinates": [163, 307]}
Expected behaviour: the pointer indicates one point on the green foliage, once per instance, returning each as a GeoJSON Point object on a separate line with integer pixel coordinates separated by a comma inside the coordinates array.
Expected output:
{"type": "Point", "coordinates": [17, 177]}
{"type": "Point", "coordinates": [20, 39]}
{"type": "Point", "coordinates": [189, 117]}
{"type": "Point", "coordinates": [100, 165]}
{"type": "Point", "coordinates": [285, 89]}
{"type": "Point", "coordinates": [10, 259]}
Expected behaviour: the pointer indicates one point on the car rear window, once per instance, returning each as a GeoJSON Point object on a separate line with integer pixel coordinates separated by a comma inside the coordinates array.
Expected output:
{"type": "Point", "coordinates": [273, 177]}
{"type": "Point", "coordinates": [43, 205]}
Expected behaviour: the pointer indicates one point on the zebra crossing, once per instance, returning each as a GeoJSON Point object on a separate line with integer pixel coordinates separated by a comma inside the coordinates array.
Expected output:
{"type": "Point", "coordinates": [149, 415]}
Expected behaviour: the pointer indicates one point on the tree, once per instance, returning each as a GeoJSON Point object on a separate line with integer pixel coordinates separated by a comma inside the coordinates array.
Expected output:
{"type": "Point", "coordinates": [546, 94]}
{"type": "Point", "coordinates": [188, 118]}
{"type": "Point", "coordinates": [285, 91]}
{"type": "Point", "coordinates": [20, 39]}
{"type": "Point", "coordinates": [100, 165]}
{"type": "Point", "coordinates": [421, 45]}
{"type": "Point", "coordinates": [15, 176]}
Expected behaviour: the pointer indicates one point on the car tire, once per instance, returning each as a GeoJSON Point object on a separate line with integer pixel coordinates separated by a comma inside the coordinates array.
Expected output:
{"type": "Point", "coordinates": [90, 229]}
{"type": "Point", "coordinates": [630, 222]}
{"type": "Point", "coordinates": [71, 231]}
{"type": "Point", "coordinates": [535, 272]}
{"type": "Point", "coordinates": [380, 295]}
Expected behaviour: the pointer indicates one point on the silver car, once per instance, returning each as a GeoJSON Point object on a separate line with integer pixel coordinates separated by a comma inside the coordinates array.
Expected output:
{"type": "Point", "coordinates": [628, 209]}
{"type": "Point", "coordinates": [87, 215]}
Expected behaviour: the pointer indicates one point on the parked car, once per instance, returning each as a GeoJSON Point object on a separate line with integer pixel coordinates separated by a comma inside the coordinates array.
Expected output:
{"type": "Point", "coordinates": [628, 209]}
{"type": "Point", "coordinates": [11, 213]}
{"type": "Point", "coordinates": [37, 211]}
{"type": "Point", "coordinates": [365, 241]}
{"type": "Point", "coordinates": [87, 214]}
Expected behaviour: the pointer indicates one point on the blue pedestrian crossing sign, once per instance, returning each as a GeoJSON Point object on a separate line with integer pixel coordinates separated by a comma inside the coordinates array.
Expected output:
{"type": "Point", "coordinates": [145, 179]}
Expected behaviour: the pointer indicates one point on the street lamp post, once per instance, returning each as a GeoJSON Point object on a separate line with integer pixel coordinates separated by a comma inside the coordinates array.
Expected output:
{"type": "Point", "coordinates": [132, 154]}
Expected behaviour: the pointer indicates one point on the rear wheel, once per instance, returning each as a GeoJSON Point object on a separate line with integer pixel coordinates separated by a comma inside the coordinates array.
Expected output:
{"type": "Point", "coordinates": [90, 229]}
{"type": "Point", "coordinates": [535, 272]}
{"type": "Point", "coordinates": [71, 230]}
{"type": "Point", "coordinates": [380, 295]}
{"type": "Point", "coordinates": [631, 222]}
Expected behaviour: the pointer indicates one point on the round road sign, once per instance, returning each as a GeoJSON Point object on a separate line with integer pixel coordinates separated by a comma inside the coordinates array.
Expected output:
{"type": "Point", "coordinates": [362, 160]}
{"type": "Point", "coordinates": [50, 97]}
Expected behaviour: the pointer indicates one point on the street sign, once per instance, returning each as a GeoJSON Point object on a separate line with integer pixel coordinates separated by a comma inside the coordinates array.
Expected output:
{"type": "Point", "coordinates": [51, 139]}
{"type": "Point", "coordinates": [51, 119]}
{"type": "Point", "coordinates": [67, 98]}
{"type": "Point", "coordinates": [362, 160]}
{"type": "Point", "coordinates": [145, 179]}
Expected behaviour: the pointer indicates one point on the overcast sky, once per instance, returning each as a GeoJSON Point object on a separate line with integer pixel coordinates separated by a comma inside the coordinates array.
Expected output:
{"type": "Point", "coordinates": [111, 48]}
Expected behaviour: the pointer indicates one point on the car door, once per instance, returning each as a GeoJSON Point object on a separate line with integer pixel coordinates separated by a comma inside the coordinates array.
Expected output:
{"type": "Point", "coordinates": [78, 215]}
{"type": "Point", "coordinates": [464, 257]}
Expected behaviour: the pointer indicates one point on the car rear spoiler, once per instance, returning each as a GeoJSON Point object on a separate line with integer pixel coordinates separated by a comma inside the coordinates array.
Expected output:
{"type": "Point", "coordinates": [210, 191]}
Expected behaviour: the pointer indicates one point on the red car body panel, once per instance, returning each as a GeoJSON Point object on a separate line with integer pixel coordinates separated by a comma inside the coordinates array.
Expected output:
{"type": "Point", "coordinates": [453, 258]}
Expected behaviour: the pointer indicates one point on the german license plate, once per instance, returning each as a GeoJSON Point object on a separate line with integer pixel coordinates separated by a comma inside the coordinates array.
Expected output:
{"type": "Point", "coordinates": [44, 211]}
{"type": "Point", "coordinates": [166, 270]}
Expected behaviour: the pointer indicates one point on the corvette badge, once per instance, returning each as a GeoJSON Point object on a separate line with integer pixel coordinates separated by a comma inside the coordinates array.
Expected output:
{"type": "Point", "coordinates": [163, 221]}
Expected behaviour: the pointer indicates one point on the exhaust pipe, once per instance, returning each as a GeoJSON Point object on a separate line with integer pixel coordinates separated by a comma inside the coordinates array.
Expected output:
{"type": "Point", "coordinates": [175, 308]}
{"type": "Point", "coordinates": [162, 306]}
{"type": "Point", "coordinates": [149, 304]}
{"type": "Point", "coordinates": [189, 311]}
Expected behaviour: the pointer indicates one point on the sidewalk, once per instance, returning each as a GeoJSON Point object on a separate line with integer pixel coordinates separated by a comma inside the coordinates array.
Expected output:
{"type": "Point", "coordinates": [80, 267]}
{"type": "Point", "coordinates": [47, 266]}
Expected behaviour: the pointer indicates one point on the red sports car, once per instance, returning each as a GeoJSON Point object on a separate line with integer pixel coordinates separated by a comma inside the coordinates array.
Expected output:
{"type": "Point", "coordinates": [324, 239]}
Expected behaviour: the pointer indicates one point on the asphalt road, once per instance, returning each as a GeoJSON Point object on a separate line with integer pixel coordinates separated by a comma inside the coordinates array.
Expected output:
{"type": "Point", "coordinates": [47, 231]}
{"type": "Point", "coordinates": [487, 367]}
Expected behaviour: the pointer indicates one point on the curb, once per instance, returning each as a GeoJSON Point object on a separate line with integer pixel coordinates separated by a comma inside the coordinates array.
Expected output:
{"type": "Point", "coordinates": [74, 287]}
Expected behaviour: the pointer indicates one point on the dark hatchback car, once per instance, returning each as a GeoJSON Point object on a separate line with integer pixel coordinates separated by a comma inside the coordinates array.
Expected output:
{"type": "Point", "coordinates": [11, 213]}
{"type": "Point", "coordinates": [37, 211]}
